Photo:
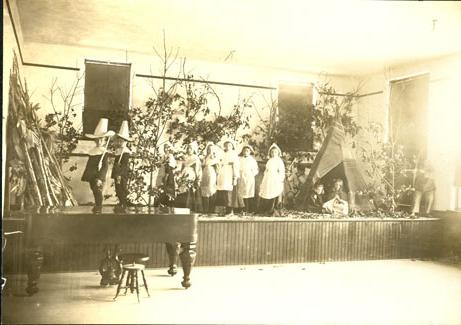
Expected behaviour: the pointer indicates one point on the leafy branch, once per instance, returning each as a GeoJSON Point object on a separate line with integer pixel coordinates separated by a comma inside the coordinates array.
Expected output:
{"type": "Point", "coordinates": [60, 124]}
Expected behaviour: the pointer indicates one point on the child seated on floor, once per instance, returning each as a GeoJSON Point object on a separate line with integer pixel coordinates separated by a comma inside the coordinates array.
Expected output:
{"type": "Point", "coordinates": [314, 200]}
{"type": "Point", "coordinates": [337, 200]}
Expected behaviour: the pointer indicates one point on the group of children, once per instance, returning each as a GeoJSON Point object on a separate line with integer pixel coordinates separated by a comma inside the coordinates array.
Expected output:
{"type": "Point", "coordinates": [98, 162]}
{"type": "Point", "coordinates": [335, 202]}
{"type": "Point", "coordinates": [225, 177]}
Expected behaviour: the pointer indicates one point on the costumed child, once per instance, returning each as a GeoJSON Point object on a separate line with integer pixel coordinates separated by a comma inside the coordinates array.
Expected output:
{"type": "Point", "coordinates": [228, 173]}
{"type": "Point", "coordinates": [273, 181]}
{"type": "Point", "coordinates": [168, 199]}
{"type": "Point", "coordinates": [189, 179]}
{"type": "Point", "coordinates": [337, 199]}
{"type": "Point", "coordinates": [168, 179]}
{"type": "Point", "coordinates": [209, 175]}
{"type": "Point", "coordinates": [96, 168]}
{"type": "Point", "coordinates": [121, 168]}
{"type": "Point", "coordinates": [424, 189]}
{"type": "Point", "coordinates": [246, 182]}
{"type": "Point", "coordinates": [314, 200]}
{"type": "Point", "coordinates": [295, 183]}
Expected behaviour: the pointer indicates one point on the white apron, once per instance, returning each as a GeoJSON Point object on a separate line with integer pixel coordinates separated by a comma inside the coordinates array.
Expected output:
{"type": "Point", "coordinates": [228, 169]}
{"type": "Point", "coordinates": [191, 170]}
{"type": "Point", "coordinates": [274, 175]}
{"type": "Point", "coordinates": [248, 171]}
{"type": "Point", "coordinates": [208, 187]}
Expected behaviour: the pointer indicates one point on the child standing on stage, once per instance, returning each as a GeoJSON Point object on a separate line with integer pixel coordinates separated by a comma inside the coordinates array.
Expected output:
{"type": "Point", "coordinates": [246, 182]}
{"type": "Point", "coordinates": [121, 167]}
{"type": "Point", "coordinates": [190, 176]}
{"type": "Point", "coordinates": [273, 180]}
{"type": "Point", "coordinates": [209, 175]}
{"type": "Point", "coordinates": [228, 173]}
{"type": "Point", "coordinates": [96, 168]}
{"type": "Point", "coordinates": [168, 180]}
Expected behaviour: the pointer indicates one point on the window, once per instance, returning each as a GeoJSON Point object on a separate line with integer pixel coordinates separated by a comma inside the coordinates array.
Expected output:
{"type": "Point", "coordinates": [107, 94]}
{"type": "Point", "coordinates": [295, 104]}
{"type": "Point", "coordinates": [408, 114]}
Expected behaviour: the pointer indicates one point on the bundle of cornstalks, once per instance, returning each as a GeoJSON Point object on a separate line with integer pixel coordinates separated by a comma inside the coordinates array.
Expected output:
{"type": "Point", "coordinates": [35, 176]}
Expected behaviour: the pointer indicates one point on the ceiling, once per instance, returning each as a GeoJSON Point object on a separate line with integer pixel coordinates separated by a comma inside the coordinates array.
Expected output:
{"type": "Point", "coordinates": [347, 37]}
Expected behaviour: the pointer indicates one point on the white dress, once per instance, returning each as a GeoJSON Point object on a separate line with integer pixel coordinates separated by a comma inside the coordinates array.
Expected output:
{"type": "Point", "coordinates": [228, 169]}
{"type": "Point", "coordinates": [248, 171]}
{"type": "Point", "coordinates": [274, 176]}
{"type": "Point", "coordinates": [208, 187]}
{"type": "Point", "coordinates": [192, 171]}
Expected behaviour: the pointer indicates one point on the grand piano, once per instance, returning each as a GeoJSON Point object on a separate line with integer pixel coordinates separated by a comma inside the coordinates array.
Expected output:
{"type": "Point", "coordinates": [79, 225]}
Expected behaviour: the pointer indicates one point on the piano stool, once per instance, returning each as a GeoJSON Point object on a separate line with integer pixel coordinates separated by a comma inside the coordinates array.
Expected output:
{"type": "Point", "coordinates": [132, 281]}
{"type": "Point", "coordinates": [130, 258]}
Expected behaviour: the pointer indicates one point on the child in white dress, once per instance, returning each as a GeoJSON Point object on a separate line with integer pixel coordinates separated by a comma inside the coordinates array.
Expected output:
{"type": "Point", "coordinates": [273, 180]}
{"type": "Point", "coordinates": [209, 175]}
{"type": "Point", "coordinates": [246, 182]}
{"type": "Point", "coordinates": [190, 178]}
{"type": "Point", "coordinates": [228, 173]}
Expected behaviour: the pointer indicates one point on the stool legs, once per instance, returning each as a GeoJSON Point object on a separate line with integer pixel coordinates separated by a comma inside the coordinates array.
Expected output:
{"type": "Point", "coordinates": [145, 282]}
{"type": "Point", "coordinates": [127, 283]}
{"type": "Point", "coordinates": [137, 285]}
{"type": "Point", "coordinates": [132, 279]}
{"type": "Point", "coordinates": [131, 282]}
{"type": "Point", "coordinates": [120, 284]}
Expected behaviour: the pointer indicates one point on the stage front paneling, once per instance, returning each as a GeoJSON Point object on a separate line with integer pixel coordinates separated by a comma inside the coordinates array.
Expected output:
{"type": "Point", "coordinates": [261, 241]}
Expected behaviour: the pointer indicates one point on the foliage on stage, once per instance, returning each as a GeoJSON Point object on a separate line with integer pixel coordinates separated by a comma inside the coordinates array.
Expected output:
{"type": "Point", "coordinates": [389, 170]}
{"type": "Point", "coordinates": [60, 124]}
{"type": "Point", "coordinates": [33, 172]}
{"type": "Point", "coordinates": [332, 107]}
{"type": "Point", "coordinates": [149, 124]}
{"type": "Point", "coordinates": [197, 121]}
{"type": "Point", "coordinates": [178, 111]}
{"type": "Point", "coordinates": [266, 130]}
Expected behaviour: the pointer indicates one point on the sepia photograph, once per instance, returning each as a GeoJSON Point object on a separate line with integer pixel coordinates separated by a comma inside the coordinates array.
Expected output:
{"type": "Point", "coordinates": [231, 162]}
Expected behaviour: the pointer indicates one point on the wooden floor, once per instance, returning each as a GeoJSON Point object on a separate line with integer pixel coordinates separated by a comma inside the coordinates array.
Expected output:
{"type": "Point", "coordinates": [366, 292]}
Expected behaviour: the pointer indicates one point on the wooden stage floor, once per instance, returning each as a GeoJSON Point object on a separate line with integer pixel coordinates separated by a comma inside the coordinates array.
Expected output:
{"type": "Point", "coordinates": [364, 292]}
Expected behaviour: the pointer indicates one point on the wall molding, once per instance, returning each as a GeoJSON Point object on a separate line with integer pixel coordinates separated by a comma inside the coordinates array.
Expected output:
{"type": "Point", "coordinates": [60, 67]}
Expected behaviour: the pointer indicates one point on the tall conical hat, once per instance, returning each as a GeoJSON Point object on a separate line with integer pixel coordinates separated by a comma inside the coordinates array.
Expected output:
{"type": "Point", "coordinates": [124, 132]}
{"type": "Point", "coordinates": [101, 130]}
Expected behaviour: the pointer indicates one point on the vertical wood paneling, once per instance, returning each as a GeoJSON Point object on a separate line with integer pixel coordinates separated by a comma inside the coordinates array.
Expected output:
{"type": "Point", "coordinates": [261, 242]}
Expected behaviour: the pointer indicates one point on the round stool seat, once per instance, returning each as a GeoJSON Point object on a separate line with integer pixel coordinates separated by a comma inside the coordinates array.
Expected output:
{"type": "Point", "coordinates": [130, 258]}
{"type": "Point", "coordinates": [132, 282]}
{"type": "Point", "coordinates": [134, 267]}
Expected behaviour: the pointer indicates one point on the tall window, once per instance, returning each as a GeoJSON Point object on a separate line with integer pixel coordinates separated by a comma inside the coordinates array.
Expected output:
{"type": "Point", "coordinates": [295, 103]}
{"type": "Point", "coordinates": [107, 94]}
{"type": "Point", "coordinates": [408, 114]}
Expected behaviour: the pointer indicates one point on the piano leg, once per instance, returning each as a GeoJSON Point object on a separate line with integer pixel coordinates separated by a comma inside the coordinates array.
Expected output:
{"type": "Point", "coordinates": [187, 256]}
{"type": "Point", "coordinates": [172, 250]}
{"type": "Point", "coordinates": [34, 265]}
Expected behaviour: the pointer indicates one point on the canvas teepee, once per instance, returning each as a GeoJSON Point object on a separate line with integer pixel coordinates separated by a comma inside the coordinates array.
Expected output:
{"type": "Point", "coordinates": [334, 160]}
